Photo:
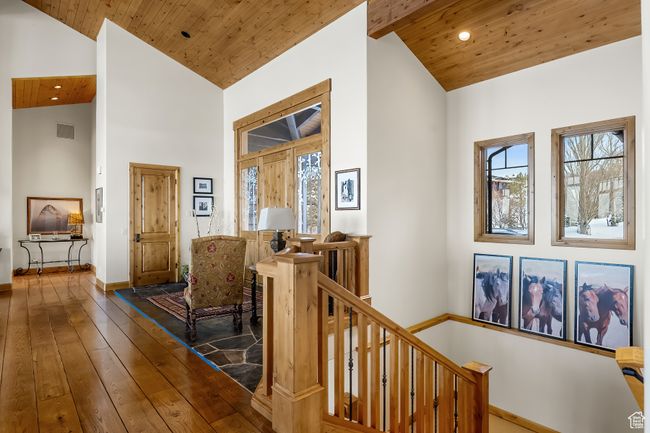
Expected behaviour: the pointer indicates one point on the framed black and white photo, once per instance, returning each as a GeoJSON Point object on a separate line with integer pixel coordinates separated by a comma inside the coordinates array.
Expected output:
{"type": "Point", "coordinates": [203, 205]}
{"type": "Point", "coordinates": [348, 190]}
{"type": "Point", "coordinates": [492, 289]}
{"type": "Point", "coordinates": [202, 185]}
{"type": "Point", "coordinates": [542, 297]}
{"type": "Point", "coordinates": [603, 304]}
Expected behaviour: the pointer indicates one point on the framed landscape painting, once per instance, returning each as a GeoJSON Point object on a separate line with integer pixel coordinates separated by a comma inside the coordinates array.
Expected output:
{"type": "Point", "coordinates": [49, 215]}
{"type": "Point", "coordinates": [604, 305]}
{"type": "Point", "coordinates": [542, 297]}
{"type": "Point", "coordinates": [492, 289]}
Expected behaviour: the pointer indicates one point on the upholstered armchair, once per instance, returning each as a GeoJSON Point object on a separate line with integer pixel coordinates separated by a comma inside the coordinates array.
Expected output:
{"type": "Point", "coordinates": [216, 277]}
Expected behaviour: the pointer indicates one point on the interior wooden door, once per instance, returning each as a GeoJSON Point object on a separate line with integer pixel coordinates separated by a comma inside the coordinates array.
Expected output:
{"type": "Point", "coordinates": [277, 189]}
{"type": "Point", "coordinates": [154, 224]}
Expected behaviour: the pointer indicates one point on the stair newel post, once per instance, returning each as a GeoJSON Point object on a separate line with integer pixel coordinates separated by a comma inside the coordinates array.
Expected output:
{"type": "Point", "coordinates": [362, 265]}
{"type": "Point", "coordinates": [297, 394]}
{"type": "Point", "coordinates": [304, 245]}
{"type": "Point", "coordinates": [480, 403]}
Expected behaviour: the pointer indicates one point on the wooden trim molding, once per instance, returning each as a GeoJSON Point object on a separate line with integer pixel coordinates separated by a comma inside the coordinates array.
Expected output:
{"type": "Point", "coordinates": [107, 287]}
{"type": "Point", "coordinates": [480, 192]}
{"type": "Point", "coordinates": [6, 287]}
{"type": "Point", "coordinates": [557, 185]}
{"type": "Point", "coordinates": [418, 327]}
{"type": "Point", "coordinates": [520, 421]}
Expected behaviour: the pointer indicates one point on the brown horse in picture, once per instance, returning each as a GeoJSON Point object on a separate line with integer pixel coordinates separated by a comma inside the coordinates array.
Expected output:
{"type": "Point", "coordinates": [532, 295]}
{"type": "Point", "coordinates": [608, 300]}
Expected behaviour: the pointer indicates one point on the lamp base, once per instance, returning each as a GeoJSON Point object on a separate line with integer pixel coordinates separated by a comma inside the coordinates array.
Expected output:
{"type": "Point", "coordinates": [278, 243]}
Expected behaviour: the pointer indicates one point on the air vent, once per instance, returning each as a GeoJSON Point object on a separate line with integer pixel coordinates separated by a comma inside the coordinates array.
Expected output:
{"type": "Point", "coordinates": [65, 131]}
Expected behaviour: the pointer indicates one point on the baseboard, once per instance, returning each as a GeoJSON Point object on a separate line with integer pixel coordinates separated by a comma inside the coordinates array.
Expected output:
{"type": "Point", "coordinates": [5, 287]}
{"type": "Point", "coordinates": [99, 283]}
{"type": "Point", "coordinates": [520, 421]}
{"type": "Point", "coordinates": [116, 286]}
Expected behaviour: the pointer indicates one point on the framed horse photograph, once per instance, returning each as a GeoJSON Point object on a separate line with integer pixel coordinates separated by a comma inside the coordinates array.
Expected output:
{"type": "Point", "coordinates": [603, 305]}
{"type": "Point", "coordinates": [492, 289]}
{"type": "Point", "coordinates": [542, 296]}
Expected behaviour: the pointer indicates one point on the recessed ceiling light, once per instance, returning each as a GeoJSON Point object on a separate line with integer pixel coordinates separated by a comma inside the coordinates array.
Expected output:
{"type": "Point", "coordinates": [185, 34]}
{"type": "Point", "coordinates": [58, 86]}
{"type": "Point", "coordinates": [464, 36]}
{"type": "Point", "coordinates": [54, 98]}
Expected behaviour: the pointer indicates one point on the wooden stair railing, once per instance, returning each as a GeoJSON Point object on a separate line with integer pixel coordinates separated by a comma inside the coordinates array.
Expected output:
{"type": "Point", "coordinates": [309, 375]}
{"type": "Point", "coordinates": [630, 361]}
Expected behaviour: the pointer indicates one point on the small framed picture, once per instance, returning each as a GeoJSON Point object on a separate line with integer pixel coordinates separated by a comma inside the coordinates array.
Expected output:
{"type": "Point", "coordinates": [202, 185]}
{"type": "Point", "coordinates": [348, 190]}
{"type": "Point", "coordinates": [203, 205]}
{"type": "Point", "coordinates": [492, 289]}
{"type": "Point", "coordinates": [34, 236]}
{"type": "Point", "coordinates": [604, 305]}
{"type": "Point", "coordinates": [542, 297]}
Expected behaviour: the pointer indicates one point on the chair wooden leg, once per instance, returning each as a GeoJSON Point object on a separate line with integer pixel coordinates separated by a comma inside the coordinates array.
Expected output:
{"type": "Point", "coordinates": [190, 323]}
{"type": "Point", "coordinates": [237, 316]}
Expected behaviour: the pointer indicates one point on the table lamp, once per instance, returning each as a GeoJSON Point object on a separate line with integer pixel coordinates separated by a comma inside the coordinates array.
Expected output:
{"type": "Point", "coordinates": [75, 220]}
{"type": "Point", "coordinates": [277, 219]}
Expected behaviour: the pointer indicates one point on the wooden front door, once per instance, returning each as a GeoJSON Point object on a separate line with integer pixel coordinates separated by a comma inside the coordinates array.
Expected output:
{"type": "Point", "coordinates": [154, 224]}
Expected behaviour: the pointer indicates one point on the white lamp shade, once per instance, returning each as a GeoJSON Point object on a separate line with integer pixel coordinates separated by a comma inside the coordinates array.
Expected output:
{"type": "Point", "coordinates": [276, 218]}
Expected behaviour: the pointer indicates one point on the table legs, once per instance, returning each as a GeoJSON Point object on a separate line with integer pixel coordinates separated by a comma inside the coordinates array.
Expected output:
{"type": "Point", "coordinates": [42, 265]}
{"type": "Point", "coordinates": [21, 271]}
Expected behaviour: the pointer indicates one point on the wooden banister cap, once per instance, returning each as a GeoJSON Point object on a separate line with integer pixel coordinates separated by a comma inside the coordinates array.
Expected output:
{"type": "Point", "coordinates": [302, 239]}
{"type": "Point", "coordinates": [360, 236]}
{"type": "Point", "coordinates": [297, 258]}
{"type": "Point", "coordinates": [630, 355]}
{"type": "Point", "coordinates": [477, 367]}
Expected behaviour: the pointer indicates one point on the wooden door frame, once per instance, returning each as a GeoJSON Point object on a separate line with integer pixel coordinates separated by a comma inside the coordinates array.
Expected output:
{"type": "Point", "coordinates": [319, 93]}
{"type": "Point", "coordinates": [177, 170]}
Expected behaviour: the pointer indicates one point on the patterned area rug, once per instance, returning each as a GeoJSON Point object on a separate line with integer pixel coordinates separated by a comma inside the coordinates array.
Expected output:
{"type": "Point", "coordinates": [174, 304]}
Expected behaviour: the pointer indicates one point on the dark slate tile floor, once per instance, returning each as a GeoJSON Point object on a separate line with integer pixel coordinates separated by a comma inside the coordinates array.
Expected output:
{"type": "Point", "coordinates": [236, 353]}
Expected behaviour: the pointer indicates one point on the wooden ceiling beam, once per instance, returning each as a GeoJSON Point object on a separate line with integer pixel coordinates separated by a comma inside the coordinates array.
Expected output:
{"type": "Point", "coordinates": [385, 16]}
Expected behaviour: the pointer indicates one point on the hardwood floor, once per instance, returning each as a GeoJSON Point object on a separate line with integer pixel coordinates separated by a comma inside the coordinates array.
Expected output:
{"type": "Point", "coordinates": [73, 359]}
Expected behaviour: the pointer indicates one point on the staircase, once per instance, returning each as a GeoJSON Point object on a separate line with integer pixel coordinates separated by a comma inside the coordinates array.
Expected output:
{"type": "Point", "coordinates": [333, 363]}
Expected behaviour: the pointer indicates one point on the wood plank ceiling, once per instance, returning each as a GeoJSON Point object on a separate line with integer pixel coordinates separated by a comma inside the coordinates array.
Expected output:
{"type": "Point", "coordinates": [506, 35]}
{"type": "Point", "coordinates": [40, 91]}
{"type": "Point", "coordinates": [229, 39]}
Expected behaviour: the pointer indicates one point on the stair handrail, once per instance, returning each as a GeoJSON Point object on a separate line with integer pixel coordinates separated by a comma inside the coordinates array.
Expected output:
{"type": "Point", "coordinates": [630, 361]}
{"type": "Point", "coordinates": [337, 291]}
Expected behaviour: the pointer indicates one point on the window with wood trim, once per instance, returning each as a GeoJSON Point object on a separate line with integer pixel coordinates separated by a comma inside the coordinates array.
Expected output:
{"type": "Point", "coordinates": [593, 172]}
{"type": "Point", "coordinates": [504, 189]}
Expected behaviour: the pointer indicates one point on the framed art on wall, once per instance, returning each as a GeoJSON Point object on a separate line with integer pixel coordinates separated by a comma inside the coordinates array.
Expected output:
{"type": "Point", "coordinates": [603, 305]}
{"type": "Point", "coordinates": [49, 215]}
{"type": "Point", "coordinates": [99, 205]}
{"type": "Point", "coordinates": [202, 185]}
{"type": "Point", "coordinates": [203, 205]}
{"type": "Point", "coordinates": [348, 189]}
{"type": "Point", "coordinates": [542, 296]}
{"type": "Point", "coordinates": [492, 289]}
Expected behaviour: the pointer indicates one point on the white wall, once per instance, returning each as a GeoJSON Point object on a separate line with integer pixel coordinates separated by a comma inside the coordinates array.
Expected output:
{"type": "Point", "coordinates": [338, 51]}
{"type": "Point", "coordinates": [151, 109]}
{"type": "Point", "coordinates": [406, 184]}
{"type": "Point", "coordinates": [47, 166]}
{"type": "Point", "coordinates": [30, 46]}
{"type": "Point", "coordinates": [586, 87]}
{"type": "Point", "coordinates": [645, 155]}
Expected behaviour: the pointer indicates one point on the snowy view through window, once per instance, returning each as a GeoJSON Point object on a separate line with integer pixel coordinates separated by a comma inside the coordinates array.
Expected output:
{"type": "Point", "coordinates": [593, 185]}
{"type": "Point", "coordinates": [506, 173]}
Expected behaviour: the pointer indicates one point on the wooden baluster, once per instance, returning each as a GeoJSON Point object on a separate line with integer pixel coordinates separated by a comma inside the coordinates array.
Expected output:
{"type": "Point", "coordinates": [394, 383]}
{"type": "Point", "coordinates": [404, 396]}
{"type": "Point", "coordinates": [267, 333]}
{"type": "Point", "coordinates": [350, 283]}
{"type": "Point", "coordinates": [340, 268]}
{"type": "Point", "coordinates": [362, 371]}
{"type": "Point", "coordinates": [429, 396]}
{"type": "Point", "coordinates": [326, 263]}
{"type": "Point", "coordinates": [465, 406]}
{"type": "Point", "coordinates": [446, 401]}
{"type": "Point", "coordinates": [323, 330]}
{"type": "Point", "coordinates": [480, 409]}
{"type": "Point", "coordinates": [420, 403]}
{"type": "Point", "coordinates": [375, 376]}
{"type": "Point", "coordinates": [339, 354]}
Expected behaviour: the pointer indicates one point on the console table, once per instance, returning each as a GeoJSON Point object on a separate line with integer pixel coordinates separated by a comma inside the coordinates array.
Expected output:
{"type": "Point", "coordinates": [40, 263]}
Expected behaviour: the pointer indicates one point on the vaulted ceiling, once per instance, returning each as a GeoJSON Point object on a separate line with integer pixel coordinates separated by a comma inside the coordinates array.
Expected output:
{"type": "Point", "coordinates": [228, 40]}
{"type": "Point", "coordinates": [506, 35]}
